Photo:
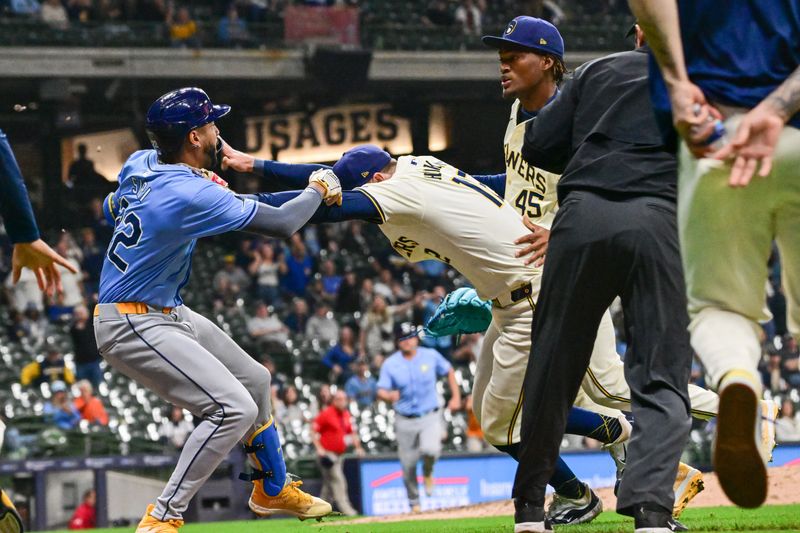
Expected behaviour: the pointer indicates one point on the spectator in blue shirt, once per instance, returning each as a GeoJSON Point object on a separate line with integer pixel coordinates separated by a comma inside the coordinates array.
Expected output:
{"type": "Point", "coordinates": [232, 31]}
{"type": "Point", "coordinates": [408, 380]}
{"type": "Point", "coordinates": [296, 268]}
{"type": "Point", "coordinates": [25, 7]}
{"type": "Point", "coordinates": [339, 358]}
{"type": "Point", "coordinates": [428, 305]}
{"type": "Point", "coordinates": [60, 409]}
{"type": "Point", "coordinates": [330, 280]}
{"type": "Point", "coordinates": [362, 387]}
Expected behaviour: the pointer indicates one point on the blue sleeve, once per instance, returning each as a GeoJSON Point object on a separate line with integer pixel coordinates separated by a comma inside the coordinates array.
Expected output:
{"type": "Point", "coordinates": [385, 380]}
{"type": "Point", "coordinates": [214, 210]}
{"type": "Point", "coordinates": [443, 366]}
{"type": "Point", "coordinates": [15, 206]}
{"type": "Point", "coordinates": [351, 388]}
{"type": "Point", "coordinates": [330, 357]}
{"type": "Point", "coordinates": [111, 208]}
{"type": "Point", "coordinates": [496, 182]}
{"type": "Point", "coordinates": [287, 174]}
{"type": "Point", "coordinates": [355, 206]}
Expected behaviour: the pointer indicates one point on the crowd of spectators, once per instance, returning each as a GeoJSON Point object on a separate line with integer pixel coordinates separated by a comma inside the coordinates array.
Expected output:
{"type": "Point", "coordinates": [308, 289]}
{"type": "Point", "coordinates": [240, 23]}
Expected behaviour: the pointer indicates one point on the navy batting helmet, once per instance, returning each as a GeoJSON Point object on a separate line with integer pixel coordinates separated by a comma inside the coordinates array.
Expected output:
{"type": "Point", "coordinates": [177, 113]}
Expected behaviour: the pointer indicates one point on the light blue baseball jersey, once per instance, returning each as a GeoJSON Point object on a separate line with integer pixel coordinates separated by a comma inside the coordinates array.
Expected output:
{"type": "Point", "coordinates": [164, 209]}
{"type": "Point", "coordinates": [415, 378]}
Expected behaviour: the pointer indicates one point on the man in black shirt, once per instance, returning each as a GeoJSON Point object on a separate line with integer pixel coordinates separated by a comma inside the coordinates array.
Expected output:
{"type": "Point", "coordinates": [87, 358]}
{"type": "Point", "coordinates": [614, 235]}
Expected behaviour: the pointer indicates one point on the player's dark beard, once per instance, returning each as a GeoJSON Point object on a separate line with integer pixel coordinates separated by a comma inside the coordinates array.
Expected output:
{"type": "Point", "coordinates": [212, 157]}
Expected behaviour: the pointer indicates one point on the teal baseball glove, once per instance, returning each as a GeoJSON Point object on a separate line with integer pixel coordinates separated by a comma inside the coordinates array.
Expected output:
{"type": "Point", "coordinates": [461, 311]}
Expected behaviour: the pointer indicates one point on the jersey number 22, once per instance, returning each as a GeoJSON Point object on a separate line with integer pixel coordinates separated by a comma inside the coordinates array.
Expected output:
{"type": "Point", "coordinates": [127, 235]}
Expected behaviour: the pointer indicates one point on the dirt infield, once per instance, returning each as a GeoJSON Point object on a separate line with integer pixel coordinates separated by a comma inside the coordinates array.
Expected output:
{"type": "Point", "coordinates": [783, 484]}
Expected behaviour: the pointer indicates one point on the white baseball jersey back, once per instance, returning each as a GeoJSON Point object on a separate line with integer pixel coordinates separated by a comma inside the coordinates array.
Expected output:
{"type": "Point", "coordinates": [432, 210]}
{"type": "Point", "coordinates": [531, 190]}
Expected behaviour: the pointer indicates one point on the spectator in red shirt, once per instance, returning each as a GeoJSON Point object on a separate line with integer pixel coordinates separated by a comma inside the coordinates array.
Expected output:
{"type": "Point", "coordinates": [85, 516]}
{"type": "Point", "coordinates": [333, 433]}
{"type": "Point", "coordinates": [89, 406]}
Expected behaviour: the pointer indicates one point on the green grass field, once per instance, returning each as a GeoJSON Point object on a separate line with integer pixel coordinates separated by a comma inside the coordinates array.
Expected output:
{"type": "Point", "coordinates": [766, 519]}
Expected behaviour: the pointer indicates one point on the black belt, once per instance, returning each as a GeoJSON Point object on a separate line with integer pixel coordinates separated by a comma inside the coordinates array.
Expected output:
{"type": "Point", "coordinates": [419, 415]}
{"type": "Point", "coordinates": [517, 295]}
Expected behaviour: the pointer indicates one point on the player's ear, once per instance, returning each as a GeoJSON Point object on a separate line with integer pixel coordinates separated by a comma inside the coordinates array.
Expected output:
{"type": "Point", "coordinates": [194, 139]}
{"type": "Point", "coordinates": [379, 177]}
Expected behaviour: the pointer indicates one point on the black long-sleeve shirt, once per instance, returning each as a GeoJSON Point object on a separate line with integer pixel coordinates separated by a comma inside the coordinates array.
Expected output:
{"type": "Point", "coordinates": [600, 133]}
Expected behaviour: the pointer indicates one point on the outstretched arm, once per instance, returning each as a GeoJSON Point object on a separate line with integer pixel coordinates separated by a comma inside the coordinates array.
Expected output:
{"type": "Point", "coordinates": [293, 176]}
{"type": "Point", "coordinates": [29, 250]}
{"type": "Point", "coordinates": [496, 182]}
{"type": "Point", "coordinates": [284, 221]}
{"type": "Point", "coordinates": [355, 206]}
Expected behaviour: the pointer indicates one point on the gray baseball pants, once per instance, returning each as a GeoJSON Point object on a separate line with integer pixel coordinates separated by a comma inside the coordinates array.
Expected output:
{"type": "Point", "coordinates": [334, 484]}
{"type": "Point", "coordinates": [418, 437]}
{"type": "Point", "coordinates": [188, 361]}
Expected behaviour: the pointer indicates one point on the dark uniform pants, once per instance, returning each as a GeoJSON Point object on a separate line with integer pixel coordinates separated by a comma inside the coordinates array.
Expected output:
{"type": "Point", "coordinates": [599, 249]}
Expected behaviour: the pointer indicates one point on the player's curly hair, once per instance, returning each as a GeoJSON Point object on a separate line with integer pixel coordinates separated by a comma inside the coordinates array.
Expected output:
{"type": "Point", "coordinates": [559, 69]}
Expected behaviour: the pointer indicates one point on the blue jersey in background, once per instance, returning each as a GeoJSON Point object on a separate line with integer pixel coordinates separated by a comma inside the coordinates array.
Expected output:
{"type": "Point", "coordinates": [163, 210]}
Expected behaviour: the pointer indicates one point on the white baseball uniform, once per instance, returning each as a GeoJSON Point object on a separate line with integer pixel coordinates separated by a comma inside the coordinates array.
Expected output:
{"type": "Point", "coordinates": [431, 210]}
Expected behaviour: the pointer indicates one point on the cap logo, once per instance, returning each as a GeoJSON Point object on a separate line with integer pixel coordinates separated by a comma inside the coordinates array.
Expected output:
{"type": "Point", "coordinates": [365, 174]}
{"type": "Point", "coordinates": [542, 41]}
{"type": "Point", "coordinates": [511, 27]}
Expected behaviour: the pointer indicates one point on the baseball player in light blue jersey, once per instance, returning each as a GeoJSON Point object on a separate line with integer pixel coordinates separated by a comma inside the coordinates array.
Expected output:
{"type": "Point", "coordinates": [408, 380]}
{"type": "Point", "coordinates": [163, 205]}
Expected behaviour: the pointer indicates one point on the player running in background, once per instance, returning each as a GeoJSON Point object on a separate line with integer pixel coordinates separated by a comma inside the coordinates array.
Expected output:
{"type": "Point", "coordinates": [741, 64]}
{"type": "Point", "coordinates": [164, 205]}
{"type": "Point", "coordinates": [430, 210]}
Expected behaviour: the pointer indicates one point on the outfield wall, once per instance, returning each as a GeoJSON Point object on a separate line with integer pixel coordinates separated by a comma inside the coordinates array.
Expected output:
{"type": "Point", "coordinates": [468, 479]}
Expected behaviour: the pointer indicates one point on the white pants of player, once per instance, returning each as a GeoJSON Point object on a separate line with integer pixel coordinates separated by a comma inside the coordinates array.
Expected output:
{"type": "Point", "coordinates": [497, 391]}
{"type": "Point", "coordinates": [726, 239]}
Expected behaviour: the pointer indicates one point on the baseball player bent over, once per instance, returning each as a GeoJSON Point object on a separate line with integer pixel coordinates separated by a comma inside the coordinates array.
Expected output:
{"type": "Point", "coordinates": [431, 210]}
{"type": "Point", "coordinates": [164, 204]}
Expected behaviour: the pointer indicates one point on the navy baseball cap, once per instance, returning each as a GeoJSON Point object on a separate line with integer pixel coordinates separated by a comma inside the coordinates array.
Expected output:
{"type": "Point", "coordinates": [405, 330]}
{"type": "Point", "coordinates": [357, 166]}
{"type": "Point", "coordinates": [529, 32]}
{"type": "Point", "coordinates": [177, 113]}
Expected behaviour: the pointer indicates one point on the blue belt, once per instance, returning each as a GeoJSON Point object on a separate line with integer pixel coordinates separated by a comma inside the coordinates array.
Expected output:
{"type": "Point", "coordinates": [420, 415]}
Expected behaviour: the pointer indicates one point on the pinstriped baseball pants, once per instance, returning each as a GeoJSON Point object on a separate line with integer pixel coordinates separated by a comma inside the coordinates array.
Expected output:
{"type": "Point", "coordinates": [188, 361]}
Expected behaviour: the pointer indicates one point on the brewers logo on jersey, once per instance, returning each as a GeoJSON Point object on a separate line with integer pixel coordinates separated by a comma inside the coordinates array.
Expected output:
{"type": "Point", "coordinates": [531, 190]}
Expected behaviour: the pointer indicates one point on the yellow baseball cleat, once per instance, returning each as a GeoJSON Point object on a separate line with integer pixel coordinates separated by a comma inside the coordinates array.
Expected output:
{"type": "Point", "coordinates": [150, 524]}
{"type": "Point", "coordinates": [10, 521]}
{"type": "Point", "coordinates": [291, 500]}
{"type": "Point", "coordinates": [688, 484]}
